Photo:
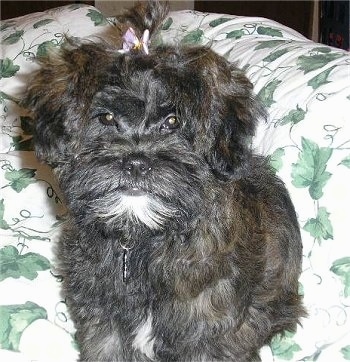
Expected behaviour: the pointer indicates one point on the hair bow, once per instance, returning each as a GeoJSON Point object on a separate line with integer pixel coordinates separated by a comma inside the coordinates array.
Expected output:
{"type": "Point", "coordinates": [132, 42]}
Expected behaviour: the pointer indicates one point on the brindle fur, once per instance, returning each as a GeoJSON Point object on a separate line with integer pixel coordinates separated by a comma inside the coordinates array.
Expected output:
{"type": "Point", "coordinates": [216, 277]}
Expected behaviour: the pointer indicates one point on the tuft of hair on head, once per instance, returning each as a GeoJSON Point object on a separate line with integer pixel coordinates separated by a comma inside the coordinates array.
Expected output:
{"type": "Point", "coordinates": [144, 15]}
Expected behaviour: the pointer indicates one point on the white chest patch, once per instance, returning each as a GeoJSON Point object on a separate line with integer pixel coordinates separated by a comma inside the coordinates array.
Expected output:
{"type": "Point", "coordinates": [143, 340]}
{"type": "Point", "coordinates": [144, 209]}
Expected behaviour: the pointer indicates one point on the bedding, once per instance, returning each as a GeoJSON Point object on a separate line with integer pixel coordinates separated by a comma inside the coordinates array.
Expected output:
{"type": "Point", "coordinates": [306, 89]}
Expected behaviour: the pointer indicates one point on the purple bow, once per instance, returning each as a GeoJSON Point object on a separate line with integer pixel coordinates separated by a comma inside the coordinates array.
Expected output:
{"type": "Point", "coordinates": [132, 42]}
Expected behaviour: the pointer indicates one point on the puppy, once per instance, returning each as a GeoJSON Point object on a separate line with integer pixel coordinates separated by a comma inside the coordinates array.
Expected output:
{"type": "Point", "coordinates": [181, 244]}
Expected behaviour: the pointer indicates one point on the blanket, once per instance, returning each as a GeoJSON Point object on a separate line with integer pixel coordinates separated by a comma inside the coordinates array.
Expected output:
{"type": "Point", "coordinates": [306, 90]}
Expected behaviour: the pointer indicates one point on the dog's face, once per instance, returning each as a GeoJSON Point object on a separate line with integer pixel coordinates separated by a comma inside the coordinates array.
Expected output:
{"type": "Point", "coordinates": [139, 139]}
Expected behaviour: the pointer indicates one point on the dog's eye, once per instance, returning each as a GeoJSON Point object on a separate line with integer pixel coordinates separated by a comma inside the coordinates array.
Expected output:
{"type": "Point", "coordinates": [106, 118]}
{"type": "Point", "coordinates": [171, 123]}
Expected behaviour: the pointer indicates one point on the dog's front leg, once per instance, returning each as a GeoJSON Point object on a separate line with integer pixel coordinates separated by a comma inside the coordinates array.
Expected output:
{"type": "Point", "coordinates": [98, 343]}
{"type": "Point", "coordinates": [102, 342]}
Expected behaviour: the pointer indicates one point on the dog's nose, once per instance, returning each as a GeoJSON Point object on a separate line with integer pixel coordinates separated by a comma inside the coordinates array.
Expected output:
{"type": "Point", "coordinates": [137, 165]}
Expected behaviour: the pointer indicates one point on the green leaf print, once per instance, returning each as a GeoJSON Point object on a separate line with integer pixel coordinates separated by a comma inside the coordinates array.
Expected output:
{"type": "Point", "coordinates": [42, 22]}
{"type": "Point", "coordinates": [320, 227]}
{"type": "Point", "coordinates": [269, 44]}
{"type": "Point", "coordinates": [275, 55]}
{"type": "Point", "coordinates": [294, 116]}
{"type": "Point", "coordinates": [245, 67]}
{"type": "Point", "coordinates": [7, 68]}
{"type": "Point", "coordinates": [320, 79]}
{"type": "Point", "coordinates": [346, 352]}
{"type": "Point", "coordinates": [322, 49]}
{"type": "Point", "coordinates": [167, 24]}
{"type": "Point", "coordinates": [276, 159]}
{"type": "Point", "coordinates": [4, 96]}
{"type": "Point", "coordinates": [75, 6]}
{"type": "Point", "coordinates": [23, 144]}
{"type": "Point", "coordinates": [3, 224]}
{"type": "Point", "coordinates": [235, 34]}
{"type": "Point", "coordinates": [15, 319]}
{"type": "Point", "coordinates": [20, 179]}
{"type": "Point", "coordinates": [15, 265]}
{"type": "Point", "coordinates": [193, 37]}
{"type": "Point", "coordinates": [13, 38]}
{"type": "Point", "coordinates": [308, 63]}
{"type": "Point", "coordinates": [264, 30]}
{"type": "Point", "coordinates": [218, 21]}
{"type": "Point", "coordinates": [97, 17]}
{"type": "Point", "coordinates": [341, 267]}
{"type": "Point", "coordinates": [266, 93]}
{"type": "Point", "coordinates": [310, 170]}
{"type": "Point", "coordinates": [44, 48]}
{"type": "Point", "coordinates": [345, 161]}
{"type": "Point", "coordinates": [4, 25]}
{"type": "Point", "coordinates": [285, 347]}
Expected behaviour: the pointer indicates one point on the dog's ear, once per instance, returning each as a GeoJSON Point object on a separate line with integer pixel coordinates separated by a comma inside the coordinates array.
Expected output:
{"type": "Point", "coordinates": [231, 114]}
{"type": "Point", "coordinates": [144, 15]}
{"type": "Point", "coordinates": [58, 94]}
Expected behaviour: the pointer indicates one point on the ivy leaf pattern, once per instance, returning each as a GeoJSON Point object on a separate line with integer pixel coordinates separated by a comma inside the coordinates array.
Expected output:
{"type": "Point", "coordinates": [320, 227]}
{"type": "Point", "coordinates": [23, 144]}
{"type": "Point", "coordinates": [321, 78]}
{"type": "Point", "coordinates": [8, 68]}
{"type": "Point", "coordinates": [293, 117]}
{"type": "Point", "coordinates": [322, 50]}
{"type": "Point", "coordinates": [4, 25]}
{"type": "Point", "coordinates": [269, 44]}
{"type": "Point", "coordinates": [276, 159]}
{"type": "Point", "coordinates": [310, 170]}
{"type": "Point", "coordinates": [167, 24]}
{"type": "Point", "coordinates": [13, 38]}
{"type": "Point", "coordinates": [44, 48]}
{"type": "Point", "coordinates": [97, 17]}
{"type": "Point", "coordinates": [263, 30]}
{"type": "Point", "coordinates": [4, 96]}
{"type": "Point", "coordinates": [75, 6]}
{"type": "Point", "coordinates": [346, 352]}
{"type": "Point", "coordinates": [3, 224]}
{"type": "Point", "coordinates": [14, 320]}
{"type": "Point", "coordinates": [346, 161]}
{"type": "Point", "coordinates": [309, 63]}
{"type": "Point", "coordinates": [218, 22]}
{"type": "Point", "coordinates": [275, 55]}
{"type": "Point", "coordinates": [42, 22]}
{"type": "Point", "coordinates": [15, 265]}
{"type": "Point", "coordinates": [20, 179]}
{"type": "Point", "coordinates": [235, 34]}
{"type": "Point", "coordinates": [193, 37]}
{"type": "Point", "coordinates": [285, 347]}
{"type": "Point", "coordinates": [341, 267]}
{"type": "Point", "coordinates": [266, 93]}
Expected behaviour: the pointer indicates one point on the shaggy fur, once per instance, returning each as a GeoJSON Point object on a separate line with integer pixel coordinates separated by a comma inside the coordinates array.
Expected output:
{"type": "Point", "coordinates": [181, 244]}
